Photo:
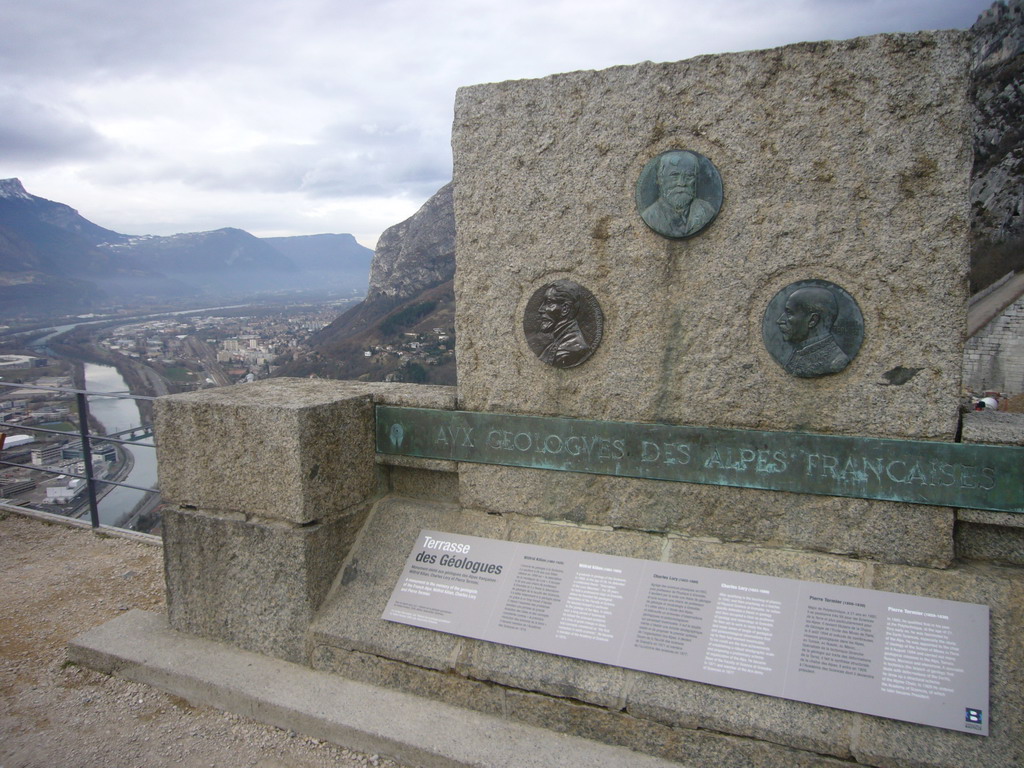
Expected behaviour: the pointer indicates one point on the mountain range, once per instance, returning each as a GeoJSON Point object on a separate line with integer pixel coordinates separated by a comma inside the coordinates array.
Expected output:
{"type": "Point", "coordinates": [53, 259]}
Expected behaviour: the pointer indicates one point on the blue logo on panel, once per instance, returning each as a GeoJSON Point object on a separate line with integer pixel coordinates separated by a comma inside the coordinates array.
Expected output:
{"type": "Point", "coordinates": [973, 716]}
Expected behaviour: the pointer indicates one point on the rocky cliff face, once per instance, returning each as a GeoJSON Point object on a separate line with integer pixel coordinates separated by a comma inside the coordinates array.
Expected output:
{"type": "Point", "coordinates": [411, 292]}
{"type": "Point", "coordinates": [997, 190]}
{"type": "Point", "coordinates": [417, 253]}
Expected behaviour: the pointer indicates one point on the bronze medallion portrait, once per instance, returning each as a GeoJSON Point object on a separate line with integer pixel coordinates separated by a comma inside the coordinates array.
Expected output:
{"type": "Point", "coordinates": [679, 193]}
{"type": "Point", "coordinates": [563, 324]}
{"type": "Point", "coordinates": [812, 328]}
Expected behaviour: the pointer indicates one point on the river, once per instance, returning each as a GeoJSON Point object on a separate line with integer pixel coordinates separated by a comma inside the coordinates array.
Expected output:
{"type": "Point", "coordinates": [116, 414]}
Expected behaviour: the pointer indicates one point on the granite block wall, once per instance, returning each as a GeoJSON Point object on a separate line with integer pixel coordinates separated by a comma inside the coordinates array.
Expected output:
{"type": "Point", "coordinates": [994, 356]}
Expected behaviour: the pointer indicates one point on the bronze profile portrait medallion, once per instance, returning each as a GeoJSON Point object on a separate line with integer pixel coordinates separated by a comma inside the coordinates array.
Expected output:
{"type": "Point", "coordinates": [679, 193]}
{"type": "Point", "coordinates": [812, 328]}
{"type": "Point", "coordinates": [563, 324]}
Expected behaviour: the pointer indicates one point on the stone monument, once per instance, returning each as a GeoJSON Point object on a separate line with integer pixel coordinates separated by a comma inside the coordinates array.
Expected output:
{"type": "Point", "coordinates": [843, 172]}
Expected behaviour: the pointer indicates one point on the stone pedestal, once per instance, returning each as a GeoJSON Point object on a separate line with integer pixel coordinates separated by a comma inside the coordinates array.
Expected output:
{"type": "Point", "coordinates": [270, 483]}
{"type": "Point", "coordinates": [844, 161]}
{"type": "Point", "coordinates": [255, 584]}
{"type": "Point", "coordinates": [267, 485]}
{"type": "Point", "coordinates": [282, 449]}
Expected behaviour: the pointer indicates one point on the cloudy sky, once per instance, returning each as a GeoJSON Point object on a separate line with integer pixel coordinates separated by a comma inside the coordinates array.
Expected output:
{"type": "Point", "coordinates": [290, 117]}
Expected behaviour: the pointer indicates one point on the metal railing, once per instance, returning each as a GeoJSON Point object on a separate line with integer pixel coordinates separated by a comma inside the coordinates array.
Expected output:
{"type": "Point", "coordinates": [87, 438]}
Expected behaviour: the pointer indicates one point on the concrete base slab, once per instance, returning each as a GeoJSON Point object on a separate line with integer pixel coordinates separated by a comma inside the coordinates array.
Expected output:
{"type": "Point", "coordinates": [140, 646]}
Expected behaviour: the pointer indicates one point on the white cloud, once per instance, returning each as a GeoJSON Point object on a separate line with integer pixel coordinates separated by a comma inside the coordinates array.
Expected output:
{"type": "Point", "coordinates": [316, 115]}
{"type": "Point", "coordinates": [35, 131]}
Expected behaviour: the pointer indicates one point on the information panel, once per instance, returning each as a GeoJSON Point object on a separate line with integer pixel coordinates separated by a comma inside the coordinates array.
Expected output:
{"type": "Point", "coordinates": [914, 471]}
{"type": "Point", "coordinates": [905, 657]}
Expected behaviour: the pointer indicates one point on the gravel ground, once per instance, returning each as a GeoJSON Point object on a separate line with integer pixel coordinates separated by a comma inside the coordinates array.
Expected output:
{"type": "Point", "coordinates": [56, 582]}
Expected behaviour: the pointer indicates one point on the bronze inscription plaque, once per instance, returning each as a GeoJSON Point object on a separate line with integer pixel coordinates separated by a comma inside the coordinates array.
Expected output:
{"type": "Point", "coordinates": [917, 472]}
{"type": "Point", "coordinates": [563, 324]}
{"type": "Point", "coordinates": [679, 193]}
{"type": "Point", "coordinates": [812, 328]}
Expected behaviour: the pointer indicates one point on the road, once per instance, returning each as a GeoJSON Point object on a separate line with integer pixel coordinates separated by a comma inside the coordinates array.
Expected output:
{"type": "Point", "coordinates": [983, 310]}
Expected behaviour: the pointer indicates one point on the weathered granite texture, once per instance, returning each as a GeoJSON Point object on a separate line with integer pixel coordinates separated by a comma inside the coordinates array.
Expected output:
{"type": "Point", "coordinates": [688, 745]}
{"type": "Point", "coordinates": [423, 483]}
{"type": "Point", "coordinates": [273, 482]}
{"type": "Point", "coordinates": [285, 449]}
{"type": "Point", "coordinates": [288, 449]}
{"type": "Point", "coordinates": [1001, 543]}
{"type": "Point", "coordinates": [996, 537]}
{"type": "Point", "coordinates": [880, 530]}
{"type": "Point", "coordinates": [352, 612]}
{"type": "Point", "coordinates": [843, 161]}
{"type": "Point", "coordinates": [252, 584]}
{"type": "Point", "coordinates": [993, 427]}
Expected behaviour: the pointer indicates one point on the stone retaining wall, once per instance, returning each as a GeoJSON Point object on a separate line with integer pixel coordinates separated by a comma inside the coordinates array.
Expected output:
{"type": "Point", "coordinates": [994, 356]}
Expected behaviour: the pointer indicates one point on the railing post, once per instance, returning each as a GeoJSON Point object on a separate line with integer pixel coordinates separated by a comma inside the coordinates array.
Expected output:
{"type": "Point", "coordinates": [90, 483]}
